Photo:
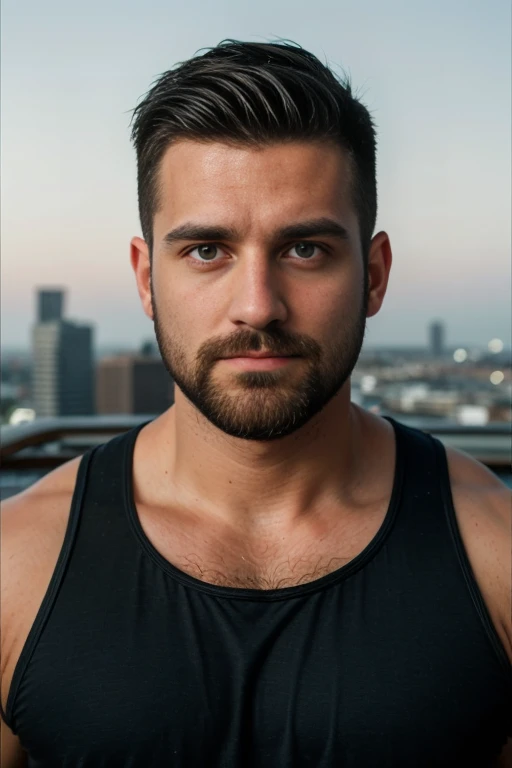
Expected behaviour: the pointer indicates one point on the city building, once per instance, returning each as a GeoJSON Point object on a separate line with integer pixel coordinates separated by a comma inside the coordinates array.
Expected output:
{"type": "Point", "coordinates": [50, 305]}
{"type": "Point", "coordinates": [437, 338]}
{"type": "Point", "coordinates": [133, 384]}
{"type": "Point", "coordinates": [62, 361]}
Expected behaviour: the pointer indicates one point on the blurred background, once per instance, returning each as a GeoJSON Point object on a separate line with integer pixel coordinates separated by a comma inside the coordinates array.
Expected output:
{"type": "Point", "coordinates": [78, 357]}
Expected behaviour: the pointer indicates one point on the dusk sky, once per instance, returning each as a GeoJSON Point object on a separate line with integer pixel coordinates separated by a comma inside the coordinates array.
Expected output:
{"type": "Point", "coordinates": [435, 75]}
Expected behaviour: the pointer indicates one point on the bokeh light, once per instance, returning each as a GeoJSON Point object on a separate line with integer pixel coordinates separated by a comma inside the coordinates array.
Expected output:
{"type": "Point", "coordinates": [495, 346]}
{"type": "Point", "coordinates": [497, 377]}
{"type": "Point", "coordinates": [22, 416]}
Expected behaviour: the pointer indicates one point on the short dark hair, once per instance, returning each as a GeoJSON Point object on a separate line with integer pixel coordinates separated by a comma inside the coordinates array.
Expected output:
{"type": "Point", "coordinates": [254, 94]}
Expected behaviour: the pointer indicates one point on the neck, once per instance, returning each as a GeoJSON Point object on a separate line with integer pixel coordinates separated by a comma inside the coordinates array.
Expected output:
{"type": "Point", "coordinates": [252, 485]}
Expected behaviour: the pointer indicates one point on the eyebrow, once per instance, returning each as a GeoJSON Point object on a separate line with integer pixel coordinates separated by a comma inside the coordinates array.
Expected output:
{"type": "Point", "coordinates": [323, 227]}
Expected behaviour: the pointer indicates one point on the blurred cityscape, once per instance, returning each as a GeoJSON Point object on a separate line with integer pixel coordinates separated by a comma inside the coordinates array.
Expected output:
{"type": "Point", "coordinates": [64, 374]}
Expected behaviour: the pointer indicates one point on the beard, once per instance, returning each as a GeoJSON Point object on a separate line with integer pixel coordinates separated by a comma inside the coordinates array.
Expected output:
{"type": "Point", "coordinates": [266, 405]}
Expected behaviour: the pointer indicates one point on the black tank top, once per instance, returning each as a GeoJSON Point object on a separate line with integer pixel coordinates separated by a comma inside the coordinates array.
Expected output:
{"type": "Point", "coordinates": [391, 661]}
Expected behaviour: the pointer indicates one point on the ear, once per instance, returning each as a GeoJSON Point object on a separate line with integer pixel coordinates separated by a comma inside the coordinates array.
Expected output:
{"type": "Point", "coordinates": [139, 257]}
{"type": "Point", "coordinates": [379, 267]}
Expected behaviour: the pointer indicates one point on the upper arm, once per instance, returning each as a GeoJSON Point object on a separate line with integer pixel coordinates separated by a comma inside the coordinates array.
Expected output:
{"type": "Point", "coordinates": [483, 508]}
{"type": "Point", "coordinates": [33, 526]}
{"type": "Point", "coordinates": [505, 758]}
{"type": "Point", "coordinates": [11, 753]}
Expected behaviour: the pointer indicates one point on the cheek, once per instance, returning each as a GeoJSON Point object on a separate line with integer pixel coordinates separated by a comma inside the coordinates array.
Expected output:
{"type": "Point", "coordinates": [332, 297]}
{"type": "Point", "coordinates": [183, 291]}
{"type": "Point", "coordinates": [186, 313]}
{"type": "Point", "coordinates": [324, 308]}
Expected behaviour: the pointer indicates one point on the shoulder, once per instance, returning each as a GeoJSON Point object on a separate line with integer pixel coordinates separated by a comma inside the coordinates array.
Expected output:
{"type": "Point", "coordinates": [471, 477]}
{"type": "Point", "coordinates": [35, 516]}
{"type": "Point", "coordinates": [483, 510]}
{"type": "Point", "coordinates": [483, 503]}
{"type": "Point", "coordinates": [33, 526]}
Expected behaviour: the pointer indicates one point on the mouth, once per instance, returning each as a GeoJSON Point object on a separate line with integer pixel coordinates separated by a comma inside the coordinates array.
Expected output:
{"type": "Point", "coordinates": [258, 356]}
{"type": "Point", "coordinates": [259, 361]}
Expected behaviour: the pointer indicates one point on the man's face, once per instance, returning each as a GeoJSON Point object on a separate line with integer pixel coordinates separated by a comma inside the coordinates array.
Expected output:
{"type": "Point", "coordinates": [220, 295]}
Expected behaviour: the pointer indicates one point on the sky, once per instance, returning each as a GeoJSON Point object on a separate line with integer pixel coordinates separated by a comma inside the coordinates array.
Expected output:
{"type": "Point", "coordinates": [436, 76]}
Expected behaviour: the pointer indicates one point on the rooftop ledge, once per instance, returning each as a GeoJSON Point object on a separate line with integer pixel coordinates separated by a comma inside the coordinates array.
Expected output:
{"type": "Point", "coordinates": [50, 442]}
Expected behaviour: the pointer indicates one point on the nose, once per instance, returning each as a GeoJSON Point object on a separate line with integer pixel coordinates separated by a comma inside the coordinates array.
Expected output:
{"type": "Point", "coordinates": [256, 293]}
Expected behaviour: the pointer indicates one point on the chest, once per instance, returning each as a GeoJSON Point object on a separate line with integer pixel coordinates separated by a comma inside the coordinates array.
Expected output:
{"type": "Point", "coordinates": [318, 682]}
{"type": "Point", "coordinates": [232, 559]}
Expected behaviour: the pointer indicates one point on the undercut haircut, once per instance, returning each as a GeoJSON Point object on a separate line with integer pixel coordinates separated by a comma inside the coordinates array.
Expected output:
{"type": "Point", "coordinates": [254, 94]}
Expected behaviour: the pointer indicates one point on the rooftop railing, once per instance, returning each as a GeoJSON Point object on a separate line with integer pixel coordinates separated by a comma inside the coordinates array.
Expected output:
{"type": "Point", "coordinates": [28, 451]}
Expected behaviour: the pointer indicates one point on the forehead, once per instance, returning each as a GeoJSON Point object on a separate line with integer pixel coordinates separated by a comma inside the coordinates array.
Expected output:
{"type": "Point", "coordinates": [284, 179]}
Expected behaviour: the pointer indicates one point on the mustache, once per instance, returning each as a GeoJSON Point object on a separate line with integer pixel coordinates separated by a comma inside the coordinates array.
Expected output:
{"type": "Point", "coordinates": [277, 342]}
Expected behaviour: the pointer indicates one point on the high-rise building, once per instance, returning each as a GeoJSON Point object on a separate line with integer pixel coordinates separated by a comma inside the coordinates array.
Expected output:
{"type": "Point", "coordinates": [138, 384]}
{"type": "Point", "coordinates": [437, 338]}
{"type": "Point", "coordinates": [62, 363]}
{"type": "Point", "coordinates": [50, 305]}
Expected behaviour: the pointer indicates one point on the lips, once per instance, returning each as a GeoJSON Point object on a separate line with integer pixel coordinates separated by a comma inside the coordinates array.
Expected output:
{"type": "Point", "coordinates": [258, 363]}
{"type": "Point", "coordinates": [257, 355]}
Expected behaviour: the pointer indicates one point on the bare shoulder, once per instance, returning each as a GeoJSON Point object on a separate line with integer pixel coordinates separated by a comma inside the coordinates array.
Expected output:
{"type": "Point", "coordinates": [33, 526]}
{"type": "Point", "coordinates": [483, 508]}
{"type": "Point", "coordinates": [38, 515]}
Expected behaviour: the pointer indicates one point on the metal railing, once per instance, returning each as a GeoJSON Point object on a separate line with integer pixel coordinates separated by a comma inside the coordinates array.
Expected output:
{"type": "Point", "coordinates": [50, 442]}
{"type": "Point", "coordinates": [28, 451]}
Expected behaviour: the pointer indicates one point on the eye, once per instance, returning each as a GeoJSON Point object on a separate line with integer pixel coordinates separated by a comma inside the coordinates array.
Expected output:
{"type": "Point", "coordinates": [305, 251]}
{"type": "Point", "coordinates": [206, 253]}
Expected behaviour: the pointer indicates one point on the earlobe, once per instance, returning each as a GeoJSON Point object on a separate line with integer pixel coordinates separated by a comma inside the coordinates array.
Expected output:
{"type": "Point", "coordinates": [141, 265]}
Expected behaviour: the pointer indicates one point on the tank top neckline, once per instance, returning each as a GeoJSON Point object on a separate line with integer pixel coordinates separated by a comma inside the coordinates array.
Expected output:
{"type": "Point", "coordinates": [265, 595]}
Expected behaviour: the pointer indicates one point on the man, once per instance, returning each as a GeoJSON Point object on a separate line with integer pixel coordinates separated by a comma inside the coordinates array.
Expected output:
{"type": "Point", "coordinates": [265, 575]}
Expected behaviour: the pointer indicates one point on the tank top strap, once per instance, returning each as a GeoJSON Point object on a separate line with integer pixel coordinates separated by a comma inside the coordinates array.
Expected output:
{"type": "Point", "coordinates": [105, 531]}
{"type": "Point", "coordinates": [422, 499]}
{"type": "Point", "coordinates": [97, 527]}
{"type": "Point", "coordinates": [53, 587]}
{"type": "Point", "coordinates": [111, 472]}
{"type": "Point", "coordinates": [426, 524]}
{"type": "Point", "coordinates": [416, 450]}
{"type": "Point", "coordinates": [443, 475]}
{"type": "Point", "coordinates": [420, 526]}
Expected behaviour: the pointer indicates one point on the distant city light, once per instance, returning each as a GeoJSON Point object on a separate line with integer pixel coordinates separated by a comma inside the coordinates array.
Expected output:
{"type": "Point", "coordinates": [460, 355]}
{"type": "Point", "coordinates": [495, 345]}
{"type": "Point", "coordinates": [497, 377]}
{"type": "Point", "coordinates": [472, 415]}
{"type": "Point", "coordinates": [22, 416]}
{"type": "Point", "coordinates": [368, 383]}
